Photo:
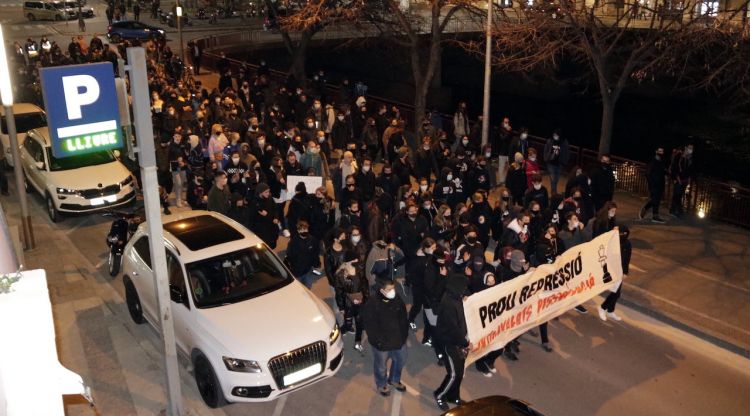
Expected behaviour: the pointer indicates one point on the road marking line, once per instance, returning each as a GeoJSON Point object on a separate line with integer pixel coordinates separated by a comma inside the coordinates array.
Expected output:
{"type": "Point", "coordinates": [695, 271]}
{"type": "Point", "coordinates": [396, 404]}
{"type": "Point", "coordinates": [633, 266]}
{"type": "Point", "coordinates": [280, 405]}
{"type": "Point", "coordinates": [411, 390]}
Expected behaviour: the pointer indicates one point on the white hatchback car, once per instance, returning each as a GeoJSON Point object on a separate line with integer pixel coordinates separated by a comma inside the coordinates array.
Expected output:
{"type": "Point", "coordinates": [251, 330]}
{"type": "Point", "coordinates": [81, 183]}
{"type": "Point", "coordinates": [27, 116]}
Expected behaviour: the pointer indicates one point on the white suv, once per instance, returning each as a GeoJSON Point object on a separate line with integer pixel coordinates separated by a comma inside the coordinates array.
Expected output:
{"type": "Point", "coordinates": [251, 330]}
{"type": "Point", "coordinates": [81, 183]}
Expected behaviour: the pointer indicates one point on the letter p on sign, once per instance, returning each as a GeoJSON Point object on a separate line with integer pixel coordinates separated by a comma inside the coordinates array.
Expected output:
{"type": "Point", "coordinates": [79, 90]}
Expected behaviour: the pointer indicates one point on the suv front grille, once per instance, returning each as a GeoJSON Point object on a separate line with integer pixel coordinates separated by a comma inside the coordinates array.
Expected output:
{"type": "Point", "coordinates": [299, 359]}
{"type": "Point", "coordinates": [98, 192]}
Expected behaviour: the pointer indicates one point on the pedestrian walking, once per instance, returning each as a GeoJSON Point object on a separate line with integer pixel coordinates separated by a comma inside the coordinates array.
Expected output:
{"type": "Point", "coordinates": [556, 155]}
{"type": "Point", "coordinates": [607, 309]}
{"type": "Point", "coordinates": [681, 170]}
{"type": "Point", "coordinates": [451, 331]}
{"type": "Point", "coordinates": [655, 178]}
{"type": "Point", "coordinates": [385, 321]}
{"type": "Point", "coordinates": [136, 12]}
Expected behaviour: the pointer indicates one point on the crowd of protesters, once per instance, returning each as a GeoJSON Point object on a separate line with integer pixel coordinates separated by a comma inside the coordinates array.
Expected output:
{"type": "Point", "coordinates": [448, 215]}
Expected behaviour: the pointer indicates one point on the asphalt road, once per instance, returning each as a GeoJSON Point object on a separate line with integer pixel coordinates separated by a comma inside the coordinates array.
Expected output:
{"type": "Point", "coordinates": [638, 366]}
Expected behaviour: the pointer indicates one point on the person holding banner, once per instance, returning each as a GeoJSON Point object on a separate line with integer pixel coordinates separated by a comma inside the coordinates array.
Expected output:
{"type": "Point", "coordinates": [607, 309]}
{"type": "Point", "coordinates": [573, 234]}
{"type": "Point", "coordinates": [451, 332]}
{"type": "Point", "coordinates": [486, 364]}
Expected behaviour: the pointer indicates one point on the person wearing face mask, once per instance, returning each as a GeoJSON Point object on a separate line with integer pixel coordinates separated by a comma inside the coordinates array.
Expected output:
{"type": "Point", "coordinates": [235, 170]}
{"type": "Point", "coordinates": [370, 139]}
{"type": "Point", "coordinates": [415, 271]}
{"type": "Point", "coordinates": [305, 254]}
{"type": "Point", "coordinates": [578, 204]}
{"type": "Point", "coordinates": [469, 247]}
{"type": "Point", "coordinates": [501, 214]}
{"type": "Point", "coordinates": [409, 229]}
{"type": "Point", "coordinates": [532, 167]}
{"type": "Point", "coordinates": [535, 230]}
{"type": "Point", "coordinates": [480, 214]}
{"type": "Point", "coordinates": [478, 178]}
{"type": "Point", "coordinates": [682, 171]}
{"type": "Point", "coordinates": [341, 132]}
{"type": "Point", "coordinates": [216, 144]}
{"type": "Point", "coordinates": [443, 230]}
{"type": "Point", "coordinates": [536, 192]}
{"type": "Point", "coordinates": [602, 183]}
{"type": "Point", "coordinates": [402, 166]}
{"type": "Point", "coordinates": [365, 180]}
{"type": "Point", "coordinates": [425, 163]}
{"type": "Point", "coordinates": [516, 234]}
{"type": "Point", "coordinates": [452, 334]}
{"type": "Point", "coordinates": [312, 159]}
{"type": "Point", "coordinates": [607, 309]}
{"type": "Point", "coordinates": [352, 287]}
{"type": "Point", "coordinates": [605, 219]}
{"type": "Point", "coordinates": [387, 180]}
{"type": "Point", "coordinates": [427, 208]}
{"type": "Point", "coordinates": [385, 321]}
{"type": "Point", "coordinates": [262, 215]}
{"type": "Point", "coordinates": [219, 195]}
{"type": "Point", "coordinates": [578, 178]}
{"type": "Point", "coordinates": [516, 179]}
{"type": "Point", "coordinates": [556, 156]}
{"type": "Point", "coordinates": [393, 139]}
{"type": "Point", "coordinates": [655, 178]}
{"type": "Point", "coordinates": [520, 143]}
{"type": "Point", "coordinates": [178, 155]}
{"type": "Point", "coordinates": [461, 120]}
{"type": "Point", "coordinates": [360, 245]}
{"type": "Point", "coordinates": [486, 364]}
{"type": "Point", "coordinates": [351, 216]}
{"type": "Point", "coordinates": [572, 234]}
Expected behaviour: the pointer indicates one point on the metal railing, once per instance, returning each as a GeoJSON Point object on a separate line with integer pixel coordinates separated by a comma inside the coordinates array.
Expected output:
{"type": "Point", "coordinates": [704, 197]}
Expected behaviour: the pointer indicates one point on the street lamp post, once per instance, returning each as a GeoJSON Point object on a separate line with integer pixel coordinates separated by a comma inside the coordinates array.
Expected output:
{"type": "Point", "coordinates": [178, 12]}
{"type": "Point", "coordinates": [487, 78]}
{"type": "Point", "coordinates": [7, 95]}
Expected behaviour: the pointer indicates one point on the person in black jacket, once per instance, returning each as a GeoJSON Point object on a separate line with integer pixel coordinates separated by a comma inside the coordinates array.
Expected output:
{"type": "Point", "coordinates": [384, 319]}
{"type": "Point", "coordinates": [655, 176]}
{"type": "Point", "coordinates": [262, 213]}
{"type": "Point", "coordinates": [607, 310]}
{"type": "Point", "coordinates": [602, 183]}
{"type": "Point", "coordinates": [451, 331]}
{"type": "Point", "coordinates": [352, 290]}
{"type": "Point", "coordinates": [303, 254]}
{"type": "Point", "coordinates": [415, 273]}
{"type": "Point", "coordinates": [300, 207]}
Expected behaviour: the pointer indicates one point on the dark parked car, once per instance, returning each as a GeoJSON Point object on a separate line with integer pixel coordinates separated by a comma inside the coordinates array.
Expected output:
{"type": "Point", "coordinates": [133, 30]}
{"type": "Point", "coordinates": [494, 406]}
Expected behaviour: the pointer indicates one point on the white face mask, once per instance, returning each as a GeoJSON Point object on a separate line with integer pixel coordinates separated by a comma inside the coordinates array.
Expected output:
{"type": "Point", "coordinates": [465, 142]}
{"type": "Point", "coordinates": [449, 177]}
{"type": "Point", "coordinates": [236, 160]}
{"type": "Point", "coordinates": [422, 188]}
{"type": "Point", "coordinates": [426, 147]}
{"type": "Point", "coordinates": [366, 168]}
{"type": "Point", "coordinates": [488, 154]}
{"type": "Point", "coordinates": [524, 135]}
{"type": "Point", "coordinates": [537, 186]}
{"type": "Point", "coordinates": [356, 239]}
{"type": "Point", "coordinates": [261, 143]}
{"type": "Point", "coordinates": [611, 213]}
{"type": "Point", "coordinates": [391, 294]}
{"type": "Point", "coordinates": [532, 158]}
{"type": "Point", "coordinates": [321, 139]}
{"type": "Point", "coordinates": [555, 136]}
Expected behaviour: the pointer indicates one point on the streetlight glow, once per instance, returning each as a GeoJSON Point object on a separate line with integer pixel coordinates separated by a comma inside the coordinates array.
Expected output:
{"type": "Point", "coordinates": [5, 89]}
{"type": "Point", "coordinates": [179, 11]}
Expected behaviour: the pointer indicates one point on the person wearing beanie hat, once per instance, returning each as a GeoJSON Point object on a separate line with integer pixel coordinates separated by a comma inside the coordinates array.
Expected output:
{"type": "Point", "coordinates": [303, 254]}
{"type": "Point", "coordinates": [300, 207]}
{"type": "Point", "coordinates": [486, 364]}
{"type": "Point", "coordinates": [351, 284]}
{"type": "Point", "coordinates": [262, 215]}
{"type": "Point", "coordinates": [451, 332]}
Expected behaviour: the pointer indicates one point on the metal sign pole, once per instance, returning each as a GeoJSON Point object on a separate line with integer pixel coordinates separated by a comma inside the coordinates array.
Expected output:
{"type": "Point", "coordinates": [487, 77]}
{"type": "Point", "coordinates": [147, 157]}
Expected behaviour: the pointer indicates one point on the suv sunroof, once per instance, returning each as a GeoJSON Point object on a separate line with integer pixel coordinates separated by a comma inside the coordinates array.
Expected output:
{"type": "Point", "coordinates": [203, 231]}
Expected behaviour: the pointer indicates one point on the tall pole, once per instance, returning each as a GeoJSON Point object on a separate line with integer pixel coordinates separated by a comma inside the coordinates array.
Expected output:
{"type": "Point", "coordinates": [144, 132]}
{"type": "Point", "coordinates": [487, 78]}
{"type": "Point", "coordinates": [178, 12]}
{"type": "Point", "coordinates": [7, 95]}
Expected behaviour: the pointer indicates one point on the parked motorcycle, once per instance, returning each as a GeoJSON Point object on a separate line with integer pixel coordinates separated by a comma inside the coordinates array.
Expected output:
{"type": "Point", "coordinates": [123, 227]}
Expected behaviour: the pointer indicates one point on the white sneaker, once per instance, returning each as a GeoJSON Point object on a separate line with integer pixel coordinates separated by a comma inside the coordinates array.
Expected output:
{"type": "Point", "coordinates": [413, 326]}
{"type": "Point", "coordinates": [285, 233]}
{"type": "Point", "coordinates": [178, 203]}
{"type": "Point", "coordinates": [602, 314]}
{"type": "Point", "coordinates": [614, 316]}
{"type": "Point", "coordinates": [358, 347]}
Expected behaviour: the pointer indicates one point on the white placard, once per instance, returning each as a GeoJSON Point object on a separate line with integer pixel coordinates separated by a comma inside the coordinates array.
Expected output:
{"type": "Point", "coordinates": [311, 184]}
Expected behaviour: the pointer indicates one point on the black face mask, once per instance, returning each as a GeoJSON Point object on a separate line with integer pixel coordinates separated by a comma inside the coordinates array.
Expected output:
{"type": "Point", "coordinates": [506, 198]}
{"type": "Point", "coordinates": [303, 234]}
{"type": "Point", "coordinates": [471, 240]}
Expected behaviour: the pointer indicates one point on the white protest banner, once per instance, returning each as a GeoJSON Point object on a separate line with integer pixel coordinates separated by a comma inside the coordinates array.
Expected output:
{"type": "Point", "coordinates": [497, 315]}
{"type": "Point", "coordinates": [311, 184]}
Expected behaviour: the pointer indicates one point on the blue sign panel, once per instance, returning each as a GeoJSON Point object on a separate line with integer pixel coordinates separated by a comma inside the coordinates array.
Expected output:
{"type": "Point", "coordinates": [82, 112]}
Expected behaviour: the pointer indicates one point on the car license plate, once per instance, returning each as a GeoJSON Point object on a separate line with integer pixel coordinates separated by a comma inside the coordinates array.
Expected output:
{"type": "Point", "coordinates": [300, 375]}
{"type": "Point", "coordinates": [100, 201]}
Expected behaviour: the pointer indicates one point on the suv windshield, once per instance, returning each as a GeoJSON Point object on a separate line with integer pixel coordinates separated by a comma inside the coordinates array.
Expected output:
{"type": "Point", "coordinates": [237, 276]}
{"type": "Point", "coordinates": [26, 122]}
{"type": "Point", "coordinates": [79, 161]}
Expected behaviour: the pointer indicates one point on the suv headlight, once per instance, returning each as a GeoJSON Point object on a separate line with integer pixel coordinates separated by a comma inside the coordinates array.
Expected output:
{"type": "Point", "coordinates": [242, 366]}
{"type": "Point", "coordinates": [335, 334]}
{"type": "Point", "coordinates": [160, 31]}
{"type": "Point", "coordinates": [65, 191]}
{"type": "Point", "coordinates": [127, 180]}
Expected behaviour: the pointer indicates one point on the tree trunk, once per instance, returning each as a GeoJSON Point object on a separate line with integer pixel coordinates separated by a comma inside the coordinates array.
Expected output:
{"type": "Point", "coordinates": [608, 121]}
{"type": "Point", "coordinates": [299, 59]}
{"type": "Point", "coordinates": [437, 77]}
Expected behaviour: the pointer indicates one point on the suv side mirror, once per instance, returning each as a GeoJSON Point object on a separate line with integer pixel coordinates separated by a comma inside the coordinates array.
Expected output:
{"type": "Point", "coordinates": [40, 165]}
{"type": "Point", "coordinates": [176, 294]}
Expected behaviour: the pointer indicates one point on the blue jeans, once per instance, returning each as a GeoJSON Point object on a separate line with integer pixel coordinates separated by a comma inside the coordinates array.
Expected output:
{"type": "Point", "coordinates": [554, 177]}
{"type": "Point", "coordinates": [380, 358]}
{"type": "Point", "coordinates": [308, 279]}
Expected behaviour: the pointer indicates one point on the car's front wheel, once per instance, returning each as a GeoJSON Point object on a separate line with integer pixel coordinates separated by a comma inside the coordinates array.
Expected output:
{"type": "Point", "coordinates": [52, 212]}
{"type": "Point", "coordinates": [208, 384]}
{"type": "Point", "coordinates": [133, 302]}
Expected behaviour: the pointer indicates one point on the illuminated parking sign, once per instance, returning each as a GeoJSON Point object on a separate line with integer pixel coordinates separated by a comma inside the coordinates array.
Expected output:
{"type": "Point", "coordinates": [82, 111]}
